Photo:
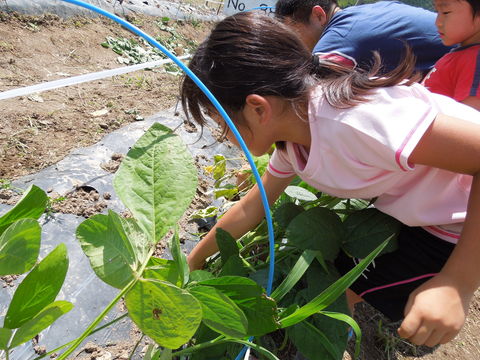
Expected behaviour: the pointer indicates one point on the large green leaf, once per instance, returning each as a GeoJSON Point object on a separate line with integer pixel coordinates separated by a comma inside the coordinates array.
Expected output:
{"type": "Point", "coordinates": [19, 246]}
{"type": "Point", "coordinates": [5, 335]}
{"type": "Point", "coordinates": [235, 287]}
{"type": "Point", "coordinates": [317, 229]}
{"type": "Point", "coordinates": [368, 228]}
{"type": "Point", "coordinates": [40, 322]}
{"type": "Point", "coordinates": [163, 270]}
{"type": "Point", "coordinates": [300, 193]}
{"type": "Point", "coordinates": [284, 214]}
{"type": "Point", "coordinates": [32, 205]}
{"type": "Point", "coordinates": [232, 263]}
{"type": "Point", "coordinates": [115, 247]}
{"type": "Point", "coordinates": [39, 288]}
{"type": "Point", "coordinates": [260, 310]}
{"type": "Point", "coordinates": [220, 313]}
{"type": "Point", "coordinates": [157, 180]}
{"type": "Point", "coordinates": [227, 245]}
{"type": "Point", "coordinates": [167, 314]}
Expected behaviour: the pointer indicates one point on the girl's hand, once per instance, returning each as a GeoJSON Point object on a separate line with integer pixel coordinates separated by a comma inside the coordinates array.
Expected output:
{"type": "Point", "coordinates": [435, 312]}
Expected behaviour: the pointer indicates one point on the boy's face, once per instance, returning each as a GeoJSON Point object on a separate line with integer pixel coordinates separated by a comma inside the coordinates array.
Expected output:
{"type": "Point", "coordinates": [455, 22]}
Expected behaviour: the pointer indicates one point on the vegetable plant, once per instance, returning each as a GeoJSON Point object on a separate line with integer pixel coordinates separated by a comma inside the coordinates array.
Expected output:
{"type": "Point", "coordinates": [33, 307]}
{"type": "Point", "coordinates": [213, 313]}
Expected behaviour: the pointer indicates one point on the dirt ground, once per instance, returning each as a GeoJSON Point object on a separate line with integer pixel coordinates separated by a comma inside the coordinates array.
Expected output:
{"type": "Point", "coordinates": [39, 130]}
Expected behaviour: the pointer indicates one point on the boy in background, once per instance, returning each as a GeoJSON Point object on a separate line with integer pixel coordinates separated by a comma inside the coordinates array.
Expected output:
{"type": "Point", "coordinates": [457, 74]}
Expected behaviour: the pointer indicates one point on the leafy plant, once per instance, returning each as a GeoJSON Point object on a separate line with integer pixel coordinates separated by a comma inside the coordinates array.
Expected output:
{"type": "Point", "coordinates": [212, 313]}
{"type": "Point", "coordinates": [33, 307]}
{"type": "Point", "coordinates": [132, 51]}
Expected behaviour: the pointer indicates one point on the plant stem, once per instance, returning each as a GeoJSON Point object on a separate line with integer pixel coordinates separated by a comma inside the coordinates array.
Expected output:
{"type": "Point", "coordinates": [218, 340]}
{"type": "Point", "coordinates": [99, 318]}
{"type": "Point", "coordinates": [136, 345]}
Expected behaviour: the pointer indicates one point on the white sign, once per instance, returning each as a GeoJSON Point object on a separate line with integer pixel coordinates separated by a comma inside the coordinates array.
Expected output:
{"type": "Point", "coordinates": [231, 7]}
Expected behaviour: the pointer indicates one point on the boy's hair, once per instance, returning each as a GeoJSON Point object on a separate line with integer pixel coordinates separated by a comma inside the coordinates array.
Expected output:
{"type": "Point", "coordinates": [300, 10]}
{"type": "Point", "coordinates": [475, 5]}
{"type": "Point", "coordinates": [251, 53]}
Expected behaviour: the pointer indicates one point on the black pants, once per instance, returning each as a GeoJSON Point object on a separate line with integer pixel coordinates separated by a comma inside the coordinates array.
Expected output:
{"type": "Point", "coordinates": [387, 283]}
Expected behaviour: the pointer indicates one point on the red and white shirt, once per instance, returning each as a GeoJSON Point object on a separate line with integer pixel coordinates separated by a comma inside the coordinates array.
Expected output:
{"type": "Point", "coordinates": [363, 151]}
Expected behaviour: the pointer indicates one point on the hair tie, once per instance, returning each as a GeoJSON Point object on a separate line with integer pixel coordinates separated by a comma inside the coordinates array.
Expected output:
{"type": "Point", "coordinates": [315, 60]}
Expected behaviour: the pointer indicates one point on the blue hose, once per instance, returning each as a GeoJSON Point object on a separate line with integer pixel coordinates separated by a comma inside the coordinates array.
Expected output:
{"type": "Point", "coordinates": [221, 111]}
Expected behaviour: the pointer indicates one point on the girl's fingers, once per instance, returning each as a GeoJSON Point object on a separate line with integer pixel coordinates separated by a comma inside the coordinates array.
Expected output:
{"type": "Point", "coordinates": [448, 337]}
{"type": "Point", "coordinates": [435, 338]}
{"type": "Point", "coordinates": [409, 326]}
{"type": "Point", "coordinates": [422, 334]}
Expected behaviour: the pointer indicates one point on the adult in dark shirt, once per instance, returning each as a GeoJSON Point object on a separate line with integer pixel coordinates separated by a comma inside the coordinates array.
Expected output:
{"type": "Point", "coordinates": [351, 35]}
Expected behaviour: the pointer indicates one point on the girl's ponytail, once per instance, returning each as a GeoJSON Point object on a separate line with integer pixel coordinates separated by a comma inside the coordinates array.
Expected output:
{"type": "Point", "coordinates": [345, 87]}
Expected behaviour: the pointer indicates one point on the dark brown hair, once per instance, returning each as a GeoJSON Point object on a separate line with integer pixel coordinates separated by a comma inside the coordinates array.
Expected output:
{"type": "Point", "coordinates": [300, 10]}
{"type": "Point", "coordinates": [251, 53]}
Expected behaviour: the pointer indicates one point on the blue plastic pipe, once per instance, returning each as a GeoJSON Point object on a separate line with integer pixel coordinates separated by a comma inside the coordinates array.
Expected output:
{"type": "Point", "coordinates": [221, 111]}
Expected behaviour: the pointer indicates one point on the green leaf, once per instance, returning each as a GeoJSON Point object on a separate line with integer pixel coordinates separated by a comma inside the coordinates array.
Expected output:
{"type": "Point", "coordinates": [226, 244]}
{"type": "Point", "coordinates": [366, 229]}
{"type": "Point", "coordinates": [166, 355]}
{"type": "Point", "coordinates": [157, 181]}
{"type": "Point", "coordinates": [260, 310]}
{"type": "Point", "coordinates": [234, 266]}
{"type": "Point", "coordinates": [285, 213]}
{"type": "Point", "coordinates": [332, 292]}
{"type": "Point", "coordinates": [261, 313]}
{"type": "Point", "coordinates": [220, 167]}
{"type": "Point", "coordinates": [317, 229]}
{"type": "Point", "coordinates": [228, 191]}
{"type": "Point", "coordinates": [163, 270]}
{"type": "Point", "coordinates": [201, 275]}
{"type": "Point", "coordinates": [40, 322]}
{"type": "Point", "coordinates": [353, 324]}
{"type": "Point", "coordinates": [167, 314]}
{"type": "Point", "coordinates": [235, 287]}
{"type": "Point", "coordinates": [300, 193]}
{"type": "Point", "coordinates": [220, 313]}
{"type": "Point", "coordinates": [115, 247]}
{"type": "Point", "coordinates": [19, 247]}
{"type": "Point", "coordinates": [295, 274]}
{"type": "Point", "coordinates": [312, 342]}
{"type": "Point", "coordinates": [232, 263]}
{"type": "Point", "coordinates": [179, 258]}
{"type": "Point", "coordinates": [32, 205]}
{"type": "Point", "coordinates": [5, 335]}
{"type": "Point", "coordinates": [39, 288]}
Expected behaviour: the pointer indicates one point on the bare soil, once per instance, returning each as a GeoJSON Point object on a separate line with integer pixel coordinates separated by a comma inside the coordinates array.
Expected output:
{"type": "Point", "coordinates": [38, 131]}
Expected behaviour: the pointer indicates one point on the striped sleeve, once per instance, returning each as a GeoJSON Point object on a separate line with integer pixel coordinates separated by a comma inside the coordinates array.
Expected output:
{"type": "Point", "coordinates": [280, 165]}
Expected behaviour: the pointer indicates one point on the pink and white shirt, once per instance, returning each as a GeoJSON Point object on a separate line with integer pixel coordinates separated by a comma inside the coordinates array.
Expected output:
{"type": "Point", "coordinates": [363, 151]}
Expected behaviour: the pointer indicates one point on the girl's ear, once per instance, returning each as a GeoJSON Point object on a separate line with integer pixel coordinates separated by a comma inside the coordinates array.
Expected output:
{"type": "Point", "coordinates": [260, 107]}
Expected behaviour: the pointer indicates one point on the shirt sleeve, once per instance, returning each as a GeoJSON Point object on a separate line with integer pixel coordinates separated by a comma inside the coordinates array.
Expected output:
{"type": "Point", "coordinates": [280, 165]}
